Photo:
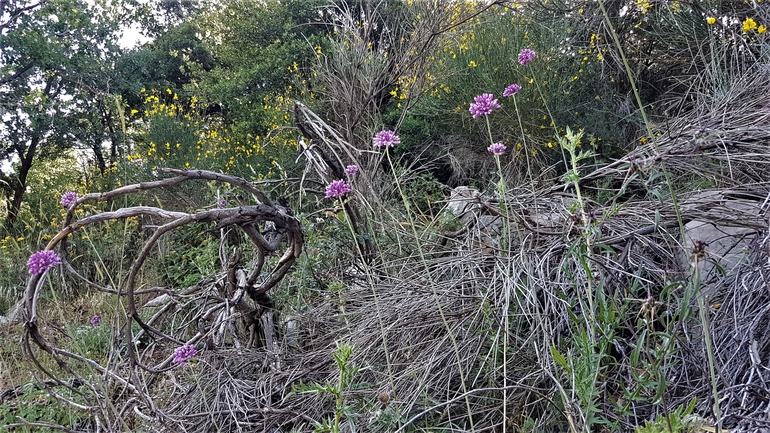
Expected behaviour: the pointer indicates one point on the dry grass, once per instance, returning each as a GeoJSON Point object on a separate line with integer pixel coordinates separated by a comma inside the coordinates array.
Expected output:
{"type": "Point", "coordinates": [432, 335]}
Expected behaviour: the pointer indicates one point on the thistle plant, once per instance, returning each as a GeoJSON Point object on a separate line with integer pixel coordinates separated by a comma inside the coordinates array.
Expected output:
{"type": "Point", "coordinates": [570, 142]}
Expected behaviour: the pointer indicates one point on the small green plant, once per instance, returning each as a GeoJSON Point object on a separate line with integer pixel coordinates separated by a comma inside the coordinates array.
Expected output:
{"type": "Point", "coordinates": [92, 341]}
{"type": "Point", "coordinates": [678, 421]}
{"type": "Point", "coordinates": [571, 142]}
{"type": "Point", "coordinates": [343, 355]}
{"type": "Point", "coordinates": [189, 258]}
{"type": "Point", "coordinates": [34, 408]}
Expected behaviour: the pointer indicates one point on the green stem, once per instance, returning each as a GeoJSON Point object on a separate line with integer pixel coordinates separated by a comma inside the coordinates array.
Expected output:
{"type": "Point", "coordinates": [455, 346]}
{"type": "Point", "coordinates": [545, 104]}
{"type": "Point", "coordinates": [502, 191]}
{"type": "Point", "coordinates": [489, 130]}
{"type": "Point", "coordinates": [587, 239]}
{"type": "Point", "coordinates": [524, 138]}
{"type": "Point", "coordinates": [707, 341]}
{"type": "Point", "coordinates": [370, 280]}
{"type": "Point", "coordinates": [647, 124]}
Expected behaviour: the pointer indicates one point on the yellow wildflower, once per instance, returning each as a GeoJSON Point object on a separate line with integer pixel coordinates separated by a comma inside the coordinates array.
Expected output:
{"type": "Point", "coordinates": [711, 20]}
{"type": "Point", "coordinates": [761, 30]}
{"type": "Point", "coordinates": [749, 25]}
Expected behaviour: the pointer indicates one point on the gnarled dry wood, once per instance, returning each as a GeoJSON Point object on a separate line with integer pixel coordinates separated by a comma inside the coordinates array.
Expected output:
{"type": "Point", "coordinates": [218, 302]}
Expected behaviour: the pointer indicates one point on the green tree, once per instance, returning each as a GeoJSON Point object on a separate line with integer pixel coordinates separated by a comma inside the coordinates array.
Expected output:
{"type": "Point", "coordinates": [55, 80]}
{"type": "Point", "coordinates": [259, 47]}
{"type": "Point", "coordinates": [167, 62]}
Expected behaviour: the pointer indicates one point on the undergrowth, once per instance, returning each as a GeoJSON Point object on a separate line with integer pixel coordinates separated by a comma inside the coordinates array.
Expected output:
{"type": "Point", "coordinates": [567, 292]}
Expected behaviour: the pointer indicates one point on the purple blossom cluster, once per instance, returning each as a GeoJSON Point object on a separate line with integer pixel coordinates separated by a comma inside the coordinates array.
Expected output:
{"type": "Point", "coordinates": [526, 55]}
{"type": "Point", "coordinates": [351, 170]}
{"type": "Point", "coordinates": [96, 320]}
{"type": "Point", "coordinates": [386, 138]}
{"type": "Point", "coordinates": [483, 105]}
{"type": "Point", "coordinates": [511, 90]}
{"type": "Point", "coordinates": [221, 203]}
{"type": "Point", "coordinates": [496, 148]}
{"type": "Point", "coordinates": [337, 188]}
{"type": "Point", "coordinates": [68, 199]}
{"type": "Point", "coordinates": [184, 353]}
{"type": "Point", "coordinates": [41, 261]}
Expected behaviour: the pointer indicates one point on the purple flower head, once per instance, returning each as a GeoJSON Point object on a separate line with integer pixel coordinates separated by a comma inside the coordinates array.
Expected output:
{"type": "Point", "coordinates": [42, 261]}
{"type": "Point", "coordinates": [483, 105]}
{"type": "Point", "coordinates": [511, 90]}
{"type": "Point", "coordinates": [96, 320]}
{"type": "Point", "coordinates": [221, 203]}
{"type": "Point", "coordinates": [69, 198]}
{"type": "Point", "coordinates": [337, 188]}
{"type": "Point", "coordinates": [526, 55]}
{"type": "Point", "coordinates": [184, 353]}
{"type": "Point", "coordinates": [351, 170]}
{"type": "Point", "coordinates": [496, 148]}
{"type": "Point", "coordinates": [386, 138]}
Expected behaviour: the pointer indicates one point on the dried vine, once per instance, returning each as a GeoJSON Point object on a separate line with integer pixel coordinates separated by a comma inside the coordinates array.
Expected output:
{"type": "Point", "coordinates": [210, 314]}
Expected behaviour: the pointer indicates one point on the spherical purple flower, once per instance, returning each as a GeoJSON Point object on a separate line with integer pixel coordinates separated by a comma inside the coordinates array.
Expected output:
{"type": "Point", "coordinates": [511, 90]}
{"type": "Point", "coordinates": [42, 261]}
{"type": "Point", "coordinates": [483, 105]}
{"type": "Point", "coordinates": [337, 188]}
{"type": "Point", "coordinates": [386, 138]}
{"type": "Point", "coordinates": [526, 55]}
{"type": "Point", "coordinates": [184, 353]}
{"type": "Point", "coordinates": [69, 198]}
{"type": "Point", "coordinates": [496, 148]}
{"type": "Point", "coordinates": [96, 320]}
{"type": "Point", "coordinates": [351, 170]}
{"type": "Point", "coordinates": [221, 203]}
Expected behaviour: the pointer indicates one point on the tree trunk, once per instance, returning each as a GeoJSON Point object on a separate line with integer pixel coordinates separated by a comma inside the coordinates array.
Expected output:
{"type": "Point", "coordinates": [19, 185]}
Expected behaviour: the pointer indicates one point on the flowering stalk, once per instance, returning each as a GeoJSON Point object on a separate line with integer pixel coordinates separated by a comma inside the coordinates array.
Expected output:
{"type": "Point", "coordinates": [337, 190]}
{"type": "Point", "coordinates": [703, 313]}
{"type": "Point", "coordinates": [570, 143]}
{"type": "Point", "coordinates": [527, 59]}
{"type": "Point", "coordinates": [484, 105]}
{"type": "Point", "coordinates": [511, 91]}
{"type": "Point", "coordinates": [497, 149]}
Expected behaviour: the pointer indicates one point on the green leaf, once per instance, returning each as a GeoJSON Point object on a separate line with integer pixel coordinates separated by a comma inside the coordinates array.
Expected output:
{"type": "Point", "coordinates": [559, 358]}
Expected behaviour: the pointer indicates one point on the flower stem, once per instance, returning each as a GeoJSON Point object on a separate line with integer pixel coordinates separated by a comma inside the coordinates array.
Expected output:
{"type": "Point", "coordinates": [370, 280]}
{"type": "Point", "coordinates": [455, 346]}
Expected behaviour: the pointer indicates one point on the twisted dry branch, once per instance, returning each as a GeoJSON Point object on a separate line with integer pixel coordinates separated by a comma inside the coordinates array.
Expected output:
{"type": "Point", "coordinates": [215, 303]}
